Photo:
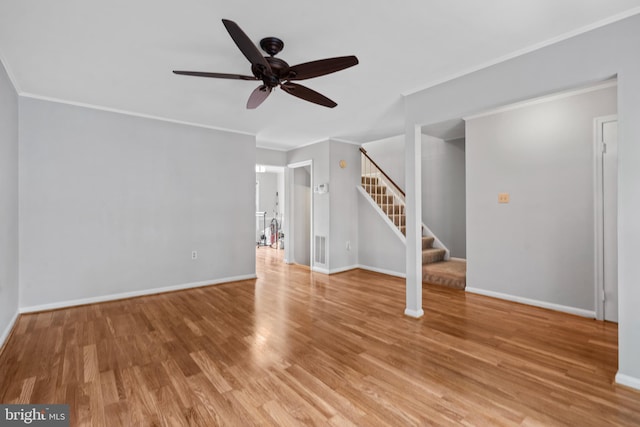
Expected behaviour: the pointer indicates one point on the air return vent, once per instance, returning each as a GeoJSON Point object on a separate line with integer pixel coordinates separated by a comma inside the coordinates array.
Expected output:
{"type": "Point", "coordinates": [320, 250]}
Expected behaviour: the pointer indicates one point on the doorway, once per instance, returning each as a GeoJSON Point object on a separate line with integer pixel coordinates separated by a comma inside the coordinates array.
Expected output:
{"type": "Point", "coordinates": [299, 249]}
{"type": "Point", "coordinates": [270, 204]}
{"type": "Point", "coordinates": [606, 216]}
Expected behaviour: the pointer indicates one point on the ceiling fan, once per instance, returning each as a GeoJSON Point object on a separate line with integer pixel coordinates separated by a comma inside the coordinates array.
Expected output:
{"type": "Point", "coordinates": [275, 72]}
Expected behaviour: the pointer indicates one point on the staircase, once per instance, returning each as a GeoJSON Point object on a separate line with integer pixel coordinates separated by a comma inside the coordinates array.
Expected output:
{"type": "Point", "coordinates": [437, 268]}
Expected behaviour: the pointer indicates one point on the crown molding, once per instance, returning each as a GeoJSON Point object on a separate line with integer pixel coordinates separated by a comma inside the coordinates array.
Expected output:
{"type": "Point", "coordinates": [131, 113]}
{"type": "Point", "coordinates": [610, 20]}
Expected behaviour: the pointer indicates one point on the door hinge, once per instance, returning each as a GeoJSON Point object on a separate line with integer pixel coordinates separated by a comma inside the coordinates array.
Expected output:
{"type": "Point", "coordinates": [604, 148]}
{"type": "Point", "coordinates": [604, 298]}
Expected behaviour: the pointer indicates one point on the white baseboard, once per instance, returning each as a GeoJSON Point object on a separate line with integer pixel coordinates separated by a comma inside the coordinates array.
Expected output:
{"type": "Point", "coordinates": [343, 269]}
{"type": "Point", "coordinates": [383, 271]}
{"type": "Point", "coordinates": [354, 266]}
{"type": "Point", "coordinates": [125, 295]}
{"type": "Point", "coordinates": [564, 308]}
{"type": "Point", "coordinates": [7, 330]}
{"type": "Point", "coordinates": [628, 381]}
{"type": "Point", "coordinates": [414, 313]}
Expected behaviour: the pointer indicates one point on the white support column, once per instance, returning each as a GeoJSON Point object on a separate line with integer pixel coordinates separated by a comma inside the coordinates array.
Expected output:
{"type": "Point", "coordinates": [413, 184]}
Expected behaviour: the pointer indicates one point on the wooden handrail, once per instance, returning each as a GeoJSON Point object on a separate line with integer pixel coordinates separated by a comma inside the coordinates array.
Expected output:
{"type": "Point", "coordinates": [363, 151]}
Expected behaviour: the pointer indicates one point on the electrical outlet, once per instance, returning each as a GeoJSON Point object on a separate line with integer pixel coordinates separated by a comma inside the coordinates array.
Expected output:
{"type": "Point", "coordinates": [194, 255]}
{"type": "Point", "coordinates": [503, 197]}
{"type": "Point", "coordinates": [348, 245]}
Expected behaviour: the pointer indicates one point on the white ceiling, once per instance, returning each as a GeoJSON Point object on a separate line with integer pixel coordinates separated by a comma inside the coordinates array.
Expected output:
{"type": "Point", "coordinates": [119, 55]}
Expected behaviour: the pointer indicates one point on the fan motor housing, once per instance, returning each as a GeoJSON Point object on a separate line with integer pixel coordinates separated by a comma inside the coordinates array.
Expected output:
{"type": "Point", "coordinates": [279, 68]}
{"type": "Point", "coordinates": [272, 45]}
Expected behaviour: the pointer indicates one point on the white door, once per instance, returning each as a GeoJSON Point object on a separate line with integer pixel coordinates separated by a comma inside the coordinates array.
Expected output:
{"type": "Point", "coordinates": [610, 218]}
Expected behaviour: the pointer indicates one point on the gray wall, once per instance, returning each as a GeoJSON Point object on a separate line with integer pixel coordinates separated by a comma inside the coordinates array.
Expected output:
{"type": "Point", "coordinates": [268, 188]}
{"type": "Point", "coordinates": [344, 205]}
{"type": "Point", "coordinates": [541, 244]}
{"type": "Point", "coordinates": [112, 204]}
{"type": "Point", "coordinates": [379, 248]}
{"type": "Point", "coordinates": [388, 153]}
{"type": "Point", "coordinates": [590, 57]}
{"type": "Point", "coordinates": [443, 192]}
{"type": "Point", "coordinates": [265, 156]}
{"type": "Point", "coordinates": [8, 203]}
{"type": "Point", "coordinates": [443, 184]}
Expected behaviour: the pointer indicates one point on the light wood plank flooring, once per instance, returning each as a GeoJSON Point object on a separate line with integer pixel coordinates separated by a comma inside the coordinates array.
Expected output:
{"type": "Point", "coordinates": [297, 348]}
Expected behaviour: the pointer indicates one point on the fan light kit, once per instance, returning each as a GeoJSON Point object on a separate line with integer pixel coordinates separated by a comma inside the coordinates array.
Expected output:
{"type": "Point", "coordinates": [275, 72]}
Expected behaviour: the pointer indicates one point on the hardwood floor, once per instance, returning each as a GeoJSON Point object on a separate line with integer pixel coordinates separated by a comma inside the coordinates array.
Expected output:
{"type": "Point", "coordinates": [295, 347]}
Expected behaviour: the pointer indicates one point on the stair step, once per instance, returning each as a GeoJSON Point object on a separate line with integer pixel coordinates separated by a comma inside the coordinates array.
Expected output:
{"type": "Point", "coordinates": [369, 180]}
{"type": "Point", "coordinates": [382, 198]}
{"type": "Point", "coordinates": [432, 255]}
{"type": "Point", "coordinates": [390, 208]}
{"type": "Point", "coordinates": [403, 229]}
{"type": "Point", "coordinates": [452, 274]}
{"type": "Point", "coordinates": [375, 189]}
{"type": "Point", "coordinates": [398, 220]}
{"type": "Point", "coordinates": [427, 242]}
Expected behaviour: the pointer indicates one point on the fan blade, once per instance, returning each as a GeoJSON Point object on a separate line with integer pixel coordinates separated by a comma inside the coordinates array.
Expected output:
{"type": "Point", "coordinates": [321, 67]}
{"type": "Point", "coordinates": [258, 96]}
{"type": "Point", "coordinates": [246, 46]}
{"type": "Point", "coordinates": [307, 94]}
{"type": "Point", "coordinates": [216, 75]}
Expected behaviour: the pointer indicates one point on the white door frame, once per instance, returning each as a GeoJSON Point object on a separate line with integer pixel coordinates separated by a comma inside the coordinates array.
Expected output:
{"type": "Point", "coordinates": [598, 187]}
{"type": "Point", "coordinates": [258, 231]}
{"type": "Point", "coordinates": [289, 245]}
